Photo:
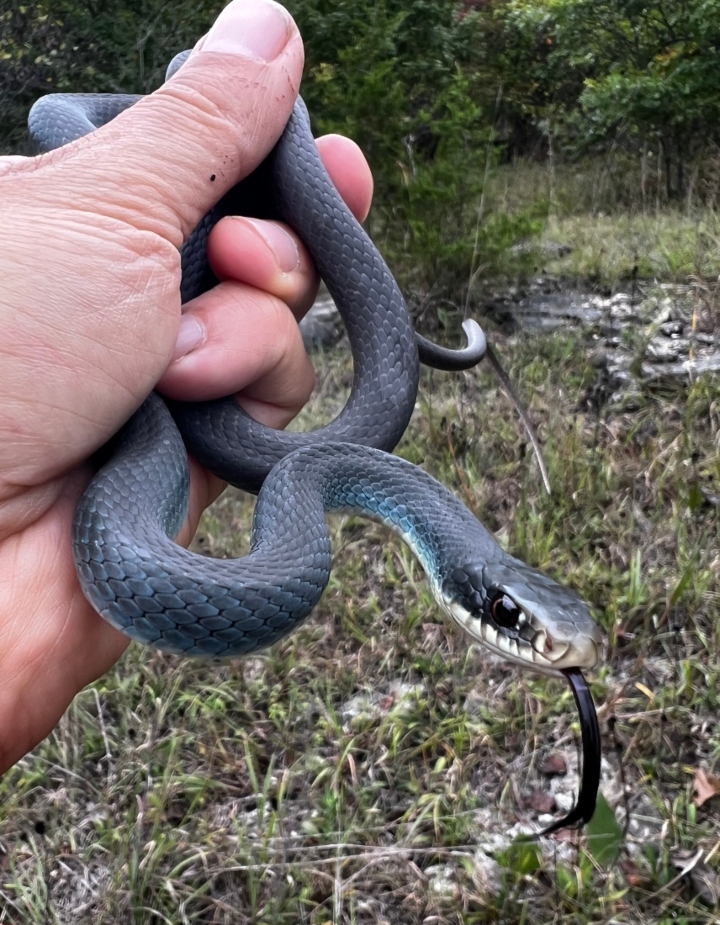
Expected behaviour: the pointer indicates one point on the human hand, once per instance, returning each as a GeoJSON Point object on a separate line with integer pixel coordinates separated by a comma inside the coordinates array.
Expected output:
{"type": "Point", "coordinates": [90, 314]}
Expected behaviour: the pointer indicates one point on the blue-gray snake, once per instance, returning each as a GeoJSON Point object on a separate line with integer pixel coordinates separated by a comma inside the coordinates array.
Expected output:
{"type": "Point", "coordinates": [158, 593]}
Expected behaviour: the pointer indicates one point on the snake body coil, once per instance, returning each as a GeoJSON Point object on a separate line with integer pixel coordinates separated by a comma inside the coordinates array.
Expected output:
{"type": "Point", "coordinates": [137, 578]}
{"type": "Point", "coordinates": [159, 593]}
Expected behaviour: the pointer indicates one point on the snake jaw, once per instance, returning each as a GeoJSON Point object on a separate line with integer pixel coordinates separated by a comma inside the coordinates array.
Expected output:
{"type": "Point", "coordinates": [530, 654]}
{"type": "Point", "coordinates": [522, 616]}
{"type": "Point", "coordinates": [547, 651]}
{"type": "Point", "coordinates": [581, 650]}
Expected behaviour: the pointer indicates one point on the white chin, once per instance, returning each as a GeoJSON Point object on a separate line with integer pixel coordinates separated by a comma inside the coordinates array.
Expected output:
{"type": "Point", "coordinates": [539, 667]}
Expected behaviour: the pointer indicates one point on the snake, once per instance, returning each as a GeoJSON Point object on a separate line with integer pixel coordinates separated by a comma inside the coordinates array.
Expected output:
{"type": "Point", "coordinates": [160, 594]}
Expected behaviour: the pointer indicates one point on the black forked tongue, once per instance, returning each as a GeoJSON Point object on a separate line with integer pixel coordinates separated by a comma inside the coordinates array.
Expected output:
{"type": "Point", "coordinates": [591, 747]}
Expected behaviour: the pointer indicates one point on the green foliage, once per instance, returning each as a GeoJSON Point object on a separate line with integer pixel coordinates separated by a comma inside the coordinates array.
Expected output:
{"type": "Point", "coordinates": [398, 77]}
{"type": "Point", "coordinates": [522, 857]}
{"type": "Point", "coordinates": [435, 95]}
{"type": "Point", "coordinates": [650, 69]}
{"type": "Point", "coordinates": [88, 46]}
{"type": "Point", "coordinates": [586, 73]}
{"type": "Point", "coordinates": [604, 834]}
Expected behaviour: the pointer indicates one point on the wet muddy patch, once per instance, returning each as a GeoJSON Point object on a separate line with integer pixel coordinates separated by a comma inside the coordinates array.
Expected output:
{"type": "Point", "coordinates": [647, 335]}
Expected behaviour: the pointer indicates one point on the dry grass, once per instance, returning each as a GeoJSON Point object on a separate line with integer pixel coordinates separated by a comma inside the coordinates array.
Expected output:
{"type": "Point", "coordinates": [374, 768]}
{"type": "Point", "coordinates": [597, 208]}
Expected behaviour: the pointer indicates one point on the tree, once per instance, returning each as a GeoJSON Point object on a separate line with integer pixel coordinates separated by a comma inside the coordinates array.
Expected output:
{"type": "Point", "coordinates": [118, 46]}
{"type": "Point", "coordinates": [587, 73]}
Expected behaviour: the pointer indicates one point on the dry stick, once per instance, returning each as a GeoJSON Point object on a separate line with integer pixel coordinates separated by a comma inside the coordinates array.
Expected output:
{"type": "Point", "coordinates": [489, 352]}
{"type": "Point", "coordinates": [522, 412]}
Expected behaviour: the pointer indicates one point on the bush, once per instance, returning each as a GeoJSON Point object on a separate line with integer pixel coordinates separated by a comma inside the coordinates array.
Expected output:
{"type": "Point", "coordinates": [397, 76]}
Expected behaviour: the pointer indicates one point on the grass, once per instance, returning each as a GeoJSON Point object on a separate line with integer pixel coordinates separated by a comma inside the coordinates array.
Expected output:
{"type": "Point", "coordinates": [375, 768]}
{"type": "Point", "coordinates": [671, 246]}
{"type": "Point", "coordinates": [596, 207]}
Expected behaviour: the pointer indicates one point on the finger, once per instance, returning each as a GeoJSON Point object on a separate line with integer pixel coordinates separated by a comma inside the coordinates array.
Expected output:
{"type": "Point", "coordinates": [269, 255]}
{"type": "Point", "coordinates": [242, 341]}
{"type": "Point", "coordinates": [349, 171]}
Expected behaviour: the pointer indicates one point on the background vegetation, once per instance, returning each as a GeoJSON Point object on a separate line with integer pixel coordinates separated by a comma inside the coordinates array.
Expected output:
{"type": "Point", "coordinates": [372, 768]}
{"type": "Point", "coordinates": [440, 93]}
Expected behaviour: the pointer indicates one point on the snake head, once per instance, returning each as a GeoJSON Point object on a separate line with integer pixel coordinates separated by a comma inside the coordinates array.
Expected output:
{"type": "Point", "coordinates": [523, 616]}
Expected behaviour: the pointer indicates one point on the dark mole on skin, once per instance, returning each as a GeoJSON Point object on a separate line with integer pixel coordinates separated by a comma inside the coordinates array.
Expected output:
{"type": "Point", "coordinates": [212, 178]}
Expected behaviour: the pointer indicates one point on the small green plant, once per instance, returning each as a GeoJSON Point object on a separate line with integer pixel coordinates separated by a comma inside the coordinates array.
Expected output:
{"type": "Point", "coordinates": [604, 834]}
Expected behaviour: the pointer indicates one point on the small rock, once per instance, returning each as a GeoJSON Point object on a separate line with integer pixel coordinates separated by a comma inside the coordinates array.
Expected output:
{"type": "Point", "coordinates": [554, 765]}
{"type": "Point", "coordinates": [540, 801]}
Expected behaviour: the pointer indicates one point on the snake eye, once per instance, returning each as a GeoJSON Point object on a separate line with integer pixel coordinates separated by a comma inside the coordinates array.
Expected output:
{"type": "Point", "coordinates": [504, 611]}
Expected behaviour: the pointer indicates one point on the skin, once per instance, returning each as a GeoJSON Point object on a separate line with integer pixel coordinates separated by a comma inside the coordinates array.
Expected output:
{"type": "Point", "coordinates": [90, 319]}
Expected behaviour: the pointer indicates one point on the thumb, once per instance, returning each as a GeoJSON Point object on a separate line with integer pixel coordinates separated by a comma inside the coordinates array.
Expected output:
{"type": "Point", "coordinates": [165, 161]}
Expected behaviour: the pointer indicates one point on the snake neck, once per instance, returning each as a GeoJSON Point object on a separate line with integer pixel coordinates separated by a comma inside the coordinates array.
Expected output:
{"type": "Point", "coordinates": [347, 478]}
